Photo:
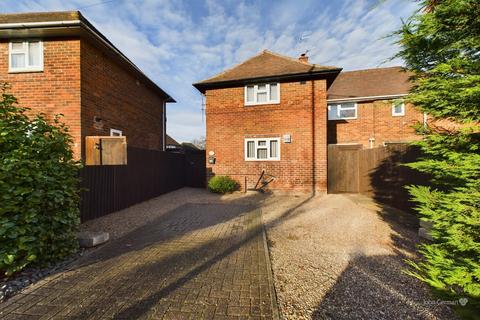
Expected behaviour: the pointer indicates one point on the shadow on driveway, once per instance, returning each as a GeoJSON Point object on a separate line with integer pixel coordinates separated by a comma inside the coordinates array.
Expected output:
{"type": "Point", "coordinates": [196, 261]}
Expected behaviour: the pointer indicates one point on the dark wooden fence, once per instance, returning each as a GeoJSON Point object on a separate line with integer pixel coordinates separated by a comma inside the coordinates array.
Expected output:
{"type": "Point", "coordinates": [195, 170]}
{"type": "Point", "coordinates": [148, 174]}
{"type": "Point", "coordinates": [378, 172]}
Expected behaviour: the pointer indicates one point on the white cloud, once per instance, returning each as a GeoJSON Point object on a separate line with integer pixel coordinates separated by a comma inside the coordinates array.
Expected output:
{"type": "Point", "coordinates": [177, 43]}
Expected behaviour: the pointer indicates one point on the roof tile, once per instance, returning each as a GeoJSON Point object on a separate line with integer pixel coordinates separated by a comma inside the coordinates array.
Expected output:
{"type": "Point", "coordinates": [266, 64]}
{"type": "Point", "coordinates": [370, 82]}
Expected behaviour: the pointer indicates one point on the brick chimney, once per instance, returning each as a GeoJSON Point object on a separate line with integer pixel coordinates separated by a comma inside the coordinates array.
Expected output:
{"type": "Point", "coordinates": [303, 58]}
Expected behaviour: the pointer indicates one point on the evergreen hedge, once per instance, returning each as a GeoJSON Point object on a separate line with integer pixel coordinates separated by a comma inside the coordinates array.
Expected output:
{"type": "Point", "coordinates": [39, 195]}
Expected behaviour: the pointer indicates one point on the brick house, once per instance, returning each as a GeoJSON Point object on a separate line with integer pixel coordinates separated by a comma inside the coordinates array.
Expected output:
{"type": "Point", "coordinates": [277, 114]}
{"type": "Point", "coordinates": [58, 62]}
{"type": "Point", "coordinates": [366, 107]}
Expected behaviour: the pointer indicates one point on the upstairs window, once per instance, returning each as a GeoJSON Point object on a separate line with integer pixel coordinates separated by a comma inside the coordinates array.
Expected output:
{"type": "Point", "coordinates": [115, 132]}
{"type": "Point", "coordinates": [25, 56]}
{"type": "Point", "coordinates": [267, 93]}
{"type": "Point", "coordinates": [398, 108]}
{"type": "Point", "coordinates": [262, 149]}
{"type": "Point", "coordinates": [342, 111]}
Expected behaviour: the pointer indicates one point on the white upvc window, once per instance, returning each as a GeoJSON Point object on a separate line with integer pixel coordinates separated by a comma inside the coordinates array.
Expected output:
{"type": "Point", "coordinates": [262, 149]}
{"type": "Point", "coordinates": [115, 133]}
{"type": "Point", "coordinates": [398, 108]}
{"type": "Point", "coordinates": [267, 93]}
{"type": "Point", "coordinates": [342, 111]}
{"type": "Point", "coordinates": [25, 56]}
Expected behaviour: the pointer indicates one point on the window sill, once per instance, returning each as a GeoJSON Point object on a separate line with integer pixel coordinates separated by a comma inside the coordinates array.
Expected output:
{"type": "Point", "coordinates": [26, 71]}
{"type": "Point", "coordinates": [398, 115]}
{"type": "Point", "coordinates": [343, 119]}
{"type": "Point", "coordinates": [260, 104]}
{"type": "Point", "coordinates": [260, 160]}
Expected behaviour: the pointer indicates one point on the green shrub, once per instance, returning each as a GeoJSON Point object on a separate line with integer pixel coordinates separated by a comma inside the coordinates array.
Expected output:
{"type": "Point", "coordinates": [222, 184]}
{"type": "Point", "coordinates": [440, 47]}
{"type": "Point", "coordinates": [39, 196]}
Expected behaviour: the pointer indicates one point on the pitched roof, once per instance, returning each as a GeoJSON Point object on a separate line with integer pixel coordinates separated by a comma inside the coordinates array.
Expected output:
{"type": "Point", "coordinates": [264, 65]}
{"type": "Point", "coordinates": [351, 85]}
{"type": "Point", "coordinates": [189, 146]}
{"type": "Point", "coordinates": [170, 141]}
{"type": "Point", "coordinates": [64, 24]}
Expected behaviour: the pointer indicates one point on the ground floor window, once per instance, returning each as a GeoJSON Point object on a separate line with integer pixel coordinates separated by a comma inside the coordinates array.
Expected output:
{"type": "Point", "coordinates": [262, 149]}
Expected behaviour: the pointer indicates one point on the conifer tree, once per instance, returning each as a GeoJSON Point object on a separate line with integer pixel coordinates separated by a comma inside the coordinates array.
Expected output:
{"type": "Point", "coordinates": [440, 45]}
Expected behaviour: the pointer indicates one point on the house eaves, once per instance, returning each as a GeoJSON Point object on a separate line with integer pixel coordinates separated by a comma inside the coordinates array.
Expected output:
{"type": "Point", "coordinates": [68, 24]}
{"type": "Point", "coordinates": [369, 98]}
{"type": "Point", "coordinates": [329, 75]}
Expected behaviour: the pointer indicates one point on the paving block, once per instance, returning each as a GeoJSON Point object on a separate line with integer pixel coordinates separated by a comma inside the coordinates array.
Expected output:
{"type": "Point", "coordinates": [88, 239]}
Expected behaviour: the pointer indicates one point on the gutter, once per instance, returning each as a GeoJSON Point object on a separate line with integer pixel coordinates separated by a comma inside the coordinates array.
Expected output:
{"type": "Point", "coordinates": [20, 25]}
{"type": "Point", "coordinates": [285, 77]}
{"type": "Point", "coordinates": [369, 98]}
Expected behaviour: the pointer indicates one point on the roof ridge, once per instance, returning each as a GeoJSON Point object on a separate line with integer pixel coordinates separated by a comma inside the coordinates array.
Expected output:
{"type": "Point", "coordinates": [369, 69]}
{"type": "Point", "coordinates": [296, 59]}
{"type": "Point", "coordinates": [236, 65]}
{"type": "Point", "coordinates": [266, 51]}
{"type": "Point", "coordinates": [287, 57]}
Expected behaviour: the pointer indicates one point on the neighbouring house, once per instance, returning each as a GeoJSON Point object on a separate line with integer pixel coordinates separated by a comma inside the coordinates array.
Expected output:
{"type": "Point", "coordinates": [275, 114]}
{"type": "Point", "coordinates": [366, 107]}
{"type": "Point", "coordinates": [172, 144]}
{"type": "Point", "coordinates": [190, 147]}
{"type": "Point", "coordinates": [58, 62]}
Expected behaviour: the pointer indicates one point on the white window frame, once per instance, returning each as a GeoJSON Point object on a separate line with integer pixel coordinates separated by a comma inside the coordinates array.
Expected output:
{"type": "Point", "coordinates": [339, 108]}
{"type": "Point", "coordinates": [256, 140]}
{"type": "Point", "coordinates": [115, 133]}
{"type": "Point", "coordinates": [25, 49]}
{"type": "Point", "coordinates": [255, 91]}
{"type": "Point", "coordinates": [400, 114]}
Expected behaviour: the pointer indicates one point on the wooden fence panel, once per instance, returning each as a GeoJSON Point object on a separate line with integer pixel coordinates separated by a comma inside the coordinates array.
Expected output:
{"type": "Point", "coordinates": [195, 169]}
{"type": "Point", "coordinates": [343, 174]}
{"type": "Point", "coordinates": [370, 159]}
{"type": "Point", "coordinates": [114, 150]}
{"type": "Point", "coordinates": [148, 174]}
{"type": "Point", "coordinates": [380, 171]}
{"type": "Point", "coordinates": [105, 150]}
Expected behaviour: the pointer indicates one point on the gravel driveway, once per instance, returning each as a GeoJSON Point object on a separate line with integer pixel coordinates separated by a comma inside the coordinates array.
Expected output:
{"type": "Point", "coordinates": [341, 257]}
{"type": "Point", "coordinates": [192, 254]}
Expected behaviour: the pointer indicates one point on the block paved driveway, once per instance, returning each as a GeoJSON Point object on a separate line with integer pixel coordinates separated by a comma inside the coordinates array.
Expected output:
{"type": "Point", "coordinates": [199, 261]}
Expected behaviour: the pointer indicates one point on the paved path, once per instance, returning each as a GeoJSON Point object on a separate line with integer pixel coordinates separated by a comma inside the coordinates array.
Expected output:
{"type": "Point", "coordinates": [199, 261]}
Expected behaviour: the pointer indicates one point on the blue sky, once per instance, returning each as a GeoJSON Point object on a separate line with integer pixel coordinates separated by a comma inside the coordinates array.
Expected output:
{"type": "Point", "coordinates": [177, 43]}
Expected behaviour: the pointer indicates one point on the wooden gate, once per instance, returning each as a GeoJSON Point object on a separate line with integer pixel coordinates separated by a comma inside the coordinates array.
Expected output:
{"type": "Point", "coordinates": [195, 169]}
{"type": "Point", "coordinates": [343, 164]}
{"type": "Point", "coordinates": [105, 150]}
{"type": "Point", "coordinates": [378, 171]}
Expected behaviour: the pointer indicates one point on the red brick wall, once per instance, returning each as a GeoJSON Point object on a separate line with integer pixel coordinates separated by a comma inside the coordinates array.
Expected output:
{"type": "Point", "coordinates": [229, 122]}
{"type": "Point", "coordinates": [114, 95]}
{"type": "Point", "coordinates": [375, 120]}
{"type": "Point", "coordinates": [54, 90]}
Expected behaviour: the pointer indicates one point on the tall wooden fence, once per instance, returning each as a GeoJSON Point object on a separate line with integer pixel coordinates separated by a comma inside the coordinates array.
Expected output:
{"type": "Point", "coordinates": [148, 174]}
{"type": "Point", "coordinates": [378, 172]}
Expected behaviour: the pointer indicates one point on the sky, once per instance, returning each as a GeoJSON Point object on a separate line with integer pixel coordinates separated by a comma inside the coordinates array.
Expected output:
{"type": "Point", "coordinates": [180, 42]}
